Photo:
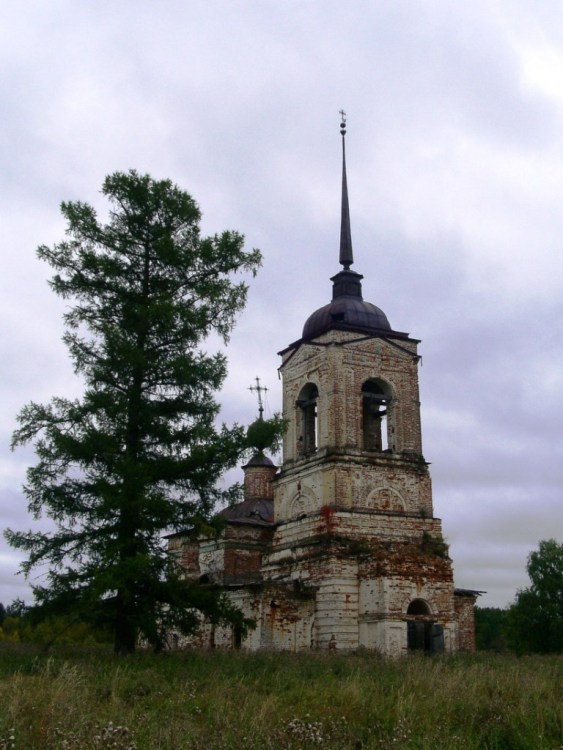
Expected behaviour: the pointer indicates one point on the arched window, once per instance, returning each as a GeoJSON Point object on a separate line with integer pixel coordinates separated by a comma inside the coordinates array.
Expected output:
{"type": "Point", "coordinates": [308, 432]}
{"type": "Point", "coordinates": [376, 397]}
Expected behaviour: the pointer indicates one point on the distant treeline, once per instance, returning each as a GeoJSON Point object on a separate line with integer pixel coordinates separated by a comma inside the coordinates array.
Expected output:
{"type": "Point", "coordinates": [495, 629]}
{"type": "Point", "coordinates": [20, 624]}
{"type": "Point", "coordinates": [490, 629]}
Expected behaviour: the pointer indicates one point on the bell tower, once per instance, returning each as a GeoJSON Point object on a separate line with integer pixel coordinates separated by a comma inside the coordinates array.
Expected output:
{"type": "Point", "coordinates": [355, 525]}
{"type": "Point", "coordinates": [351, 401]}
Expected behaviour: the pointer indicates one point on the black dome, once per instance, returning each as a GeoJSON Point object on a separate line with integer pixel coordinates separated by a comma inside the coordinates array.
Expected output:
{"type": "Point", "coordinates": [255, 512]}
{"type": "Point", "coordinates": [346, 312]}
{"type": "Point", "coordinates": [347, 309]}
{"type": "Point", "coordinates": [259, 459]}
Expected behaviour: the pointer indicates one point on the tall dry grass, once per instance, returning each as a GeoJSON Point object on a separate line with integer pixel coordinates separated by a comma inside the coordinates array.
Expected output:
{"type": "Point", "coordinates": [85, 700]}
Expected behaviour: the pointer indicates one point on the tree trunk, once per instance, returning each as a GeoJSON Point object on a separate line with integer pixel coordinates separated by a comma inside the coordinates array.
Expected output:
{"type": "Point", "coordinates": [124, 637]}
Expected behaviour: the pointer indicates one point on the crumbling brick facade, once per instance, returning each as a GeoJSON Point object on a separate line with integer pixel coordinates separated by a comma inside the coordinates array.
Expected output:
{"type": "Point", "coordinates": [340, 549]}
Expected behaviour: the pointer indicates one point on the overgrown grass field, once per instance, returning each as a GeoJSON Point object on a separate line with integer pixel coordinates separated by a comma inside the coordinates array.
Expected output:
{"type": "Point", "coordinates": [87, 699]}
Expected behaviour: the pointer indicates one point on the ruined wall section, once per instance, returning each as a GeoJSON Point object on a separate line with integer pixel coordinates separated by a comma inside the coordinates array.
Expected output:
{"type": "Point", "coordinates": [465, 610]}
{"type": "Point", "coordinates": [233, 557]}
{"type": "Point", "coordinates": [245, 546]}
{"type": "Point", "coordinates": [210, 635]}
{"type": "Point", "coordinates": [365, 569]}
{"type": "Point", "coordinates": [355, 526]}
{"type": "Point", "coordinates": [338, 580]}
{"type": "Point", "coordinates": [287, 620]}
{"type": "Point", "coordinates": [236, 556]}
{"type": "Point", "coordinates": [186, 553]}
{"type": "Point", "coordinates": [393, 576]}
{"type": "Point", "coordinates": [353, 480]}
{"type": "Point", "coordinates": [284, 621]}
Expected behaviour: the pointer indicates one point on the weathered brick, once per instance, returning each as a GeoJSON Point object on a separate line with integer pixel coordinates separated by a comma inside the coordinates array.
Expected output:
{"type": "Point", "coordinates": [354, 553]}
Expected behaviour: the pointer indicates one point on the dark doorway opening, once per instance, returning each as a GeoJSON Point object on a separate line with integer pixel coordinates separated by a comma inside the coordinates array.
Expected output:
{"type": "Point", "coordinates": [425, 636]}
{"type": "Point", "coordinates": [423, 633]}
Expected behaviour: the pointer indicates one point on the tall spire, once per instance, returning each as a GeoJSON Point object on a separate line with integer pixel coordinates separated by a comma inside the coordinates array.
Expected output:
{"type": "Point", "coordinates": [346, 256]}
{"type": "Point", "coordinates": [347, 310]}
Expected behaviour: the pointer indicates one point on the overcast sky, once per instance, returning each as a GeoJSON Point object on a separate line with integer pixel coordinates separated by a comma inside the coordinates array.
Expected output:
{"type": "Point", "coordinates": [455, 173]}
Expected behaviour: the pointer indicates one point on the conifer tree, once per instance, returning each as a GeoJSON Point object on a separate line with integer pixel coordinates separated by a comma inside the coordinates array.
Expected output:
{"type": "Point", "coordinates": [139, 453]}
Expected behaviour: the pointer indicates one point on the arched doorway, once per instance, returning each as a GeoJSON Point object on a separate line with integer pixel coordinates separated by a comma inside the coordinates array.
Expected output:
{"type": "Point", "coordinates": [423, 633]}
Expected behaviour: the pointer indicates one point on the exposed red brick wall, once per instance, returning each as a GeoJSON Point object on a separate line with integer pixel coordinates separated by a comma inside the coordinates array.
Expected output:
{"type": "Point", "coordinates": [258, 482]}
{"type": "Point", "coordinates": [465, 610]}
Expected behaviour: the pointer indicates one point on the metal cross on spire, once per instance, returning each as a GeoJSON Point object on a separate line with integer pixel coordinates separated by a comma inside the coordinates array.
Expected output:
{"type": "Point", "coordinates": [259, 390]}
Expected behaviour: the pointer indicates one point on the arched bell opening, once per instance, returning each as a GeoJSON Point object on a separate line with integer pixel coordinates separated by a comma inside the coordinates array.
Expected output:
{"type": "Point", "coordinates": [307, 420]}
{"type": "Point", "coordinates": [377, 428]}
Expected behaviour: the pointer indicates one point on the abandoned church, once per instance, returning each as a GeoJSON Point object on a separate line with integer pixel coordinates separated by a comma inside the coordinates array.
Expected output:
{"type": "Point", "coordinates": [339, 548]}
